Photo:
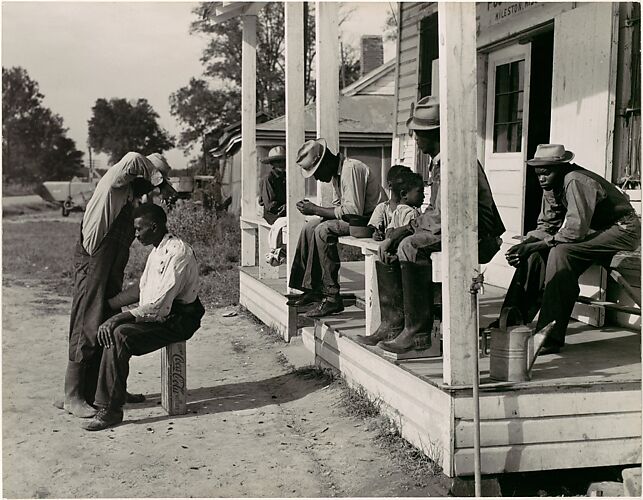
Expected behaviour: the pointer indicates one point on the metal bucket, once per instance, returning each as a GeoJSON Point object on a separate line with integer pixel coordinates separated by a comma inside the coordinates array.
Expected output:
{"type": "Point", "coordinates": [509, 355]}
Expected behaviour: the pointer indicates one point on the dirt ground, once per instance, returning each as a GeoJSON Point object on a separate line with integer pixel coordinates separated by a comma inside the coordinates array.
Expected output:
{"type": "Point", "coordinates": [253, 428]}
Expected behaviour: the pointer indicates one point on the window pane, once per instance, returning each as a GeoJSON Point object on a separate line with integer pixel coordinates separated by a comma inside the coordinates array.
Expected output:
{"type": "Point", "coordinates": [508, 112]}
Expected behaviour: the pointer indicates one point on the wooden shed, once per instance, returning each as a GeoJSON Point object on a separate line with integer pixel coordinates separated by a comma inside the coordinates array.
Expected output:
{"type": "Point", "coordinates": [508, 76]}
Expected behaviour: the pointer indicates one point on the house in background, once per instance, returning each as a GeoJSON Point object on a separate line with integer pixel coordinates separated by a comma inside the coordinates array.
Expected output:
{"type": "Point", "coordinates": [511, 75]}
{"type": "Point", "coordinates": [366, 111]}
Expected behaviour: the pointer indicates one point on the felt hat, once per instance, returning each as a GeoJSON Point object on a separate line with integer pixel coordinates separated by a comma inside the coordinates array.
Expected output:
{"type": "Point", "coordinates": [425, 115]}
{"type": "Point", "coordinates": [275, 154]}
{"type": "Point", "coordinates": [161, 172]}
{"type": "Point", "coordinates": [548, 155]}
{"type": "Point", "coordinates": [310, 156]}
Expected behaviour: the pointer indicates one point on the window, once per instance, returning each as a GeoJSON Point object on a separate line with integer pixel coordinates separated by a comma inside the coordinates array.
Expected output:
{"type": "Point", "coordinates": [428, 53]}
{"type": "Point", "coordinates": [507, 120]}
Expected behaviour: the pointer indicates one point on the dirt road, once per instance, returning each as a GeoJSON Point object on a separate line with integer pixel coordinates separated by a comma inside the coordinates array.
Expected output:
{"type": "Point", "coordinates": [253, 427]}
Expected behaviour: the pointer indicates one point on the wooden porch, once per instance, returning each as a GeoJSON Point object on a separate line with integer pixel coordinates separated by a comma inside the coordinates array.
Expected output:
{"type": "Point", "coordinates": [582, 408]}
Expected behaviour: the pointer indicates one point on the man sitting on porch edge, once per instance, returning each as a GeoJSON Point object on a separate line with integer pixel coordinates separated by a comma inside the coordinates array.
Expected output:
{"type": "Point", "coordinates": [315, 268]}
{"type": "Point", "coordinates": [406, 252]}
{"type": "Point", "coordinates": [584, 219]}
{"type": "Point", "coordinates": [169, 311]}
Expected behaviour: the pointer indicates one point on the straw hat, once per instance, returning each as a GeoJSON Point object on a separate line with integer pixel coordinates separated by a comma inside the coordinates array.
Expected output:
{"type": "Point", "coordinates": [310, 156]}
{"type": "Point", "coordinates": [275, 154]}
{"type": "Point", "coordinates": [425, 115]}
{"type": "Point", "coordinates": [548, 155]}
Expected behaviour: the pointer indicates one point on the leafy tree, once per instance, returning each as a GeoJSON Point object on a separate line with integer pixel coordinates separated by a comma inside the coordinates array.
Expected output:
{"type": "Point", "coordinates": [118, 126]}
{"type": "Point", "coordinates": [203, 113]}
{"type": "Point", "coordinates": [34, 142]}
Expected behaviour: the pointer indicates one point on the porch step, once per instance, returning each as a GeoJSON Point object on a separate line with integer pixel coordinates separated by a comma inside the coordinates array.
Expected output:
{"type": "Point", "coordinates": [609, 305]}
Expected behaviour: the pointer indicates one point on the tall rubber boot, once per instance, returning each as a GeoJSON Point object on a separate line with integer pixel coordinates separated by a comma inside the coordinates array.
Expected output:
{"type": "Point", "coordinates": [417, 285]}
{"type": "Point", "coordinates": [389, 285]}
{"type": "Point", "coordinates": [74, 391]}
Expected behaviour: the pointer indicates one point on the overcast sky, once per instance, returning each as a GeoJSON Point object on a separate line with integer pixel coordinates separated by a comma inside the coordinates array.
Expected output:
{"type": "Point", "coordinates": [79, 52]}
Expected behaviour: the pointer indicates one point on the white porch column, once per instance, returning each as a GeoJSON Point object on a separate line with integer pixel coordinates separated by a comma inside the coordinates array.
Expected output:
{"type": "Point", "coordinates": [327, 76]}
{"type": "Point", "coordinates": [294, 18]}
{"type": "Point", "coordinates": [457, 36]}
{"type": "Point", "coordinates": [248, 135]}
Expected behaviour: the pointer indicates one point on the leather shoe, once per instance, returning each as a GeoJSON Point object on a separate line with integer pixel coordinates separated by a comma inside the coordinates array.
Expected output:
{"type": "Point", "coordinates": [105, 418]}
{"type": "Point", "coordinates": [305, 299]}
{"type": "Point", "coordinates": [549, 349]}
{"type": "Point", "coordinates": [134, 398]}
{"type": "Point", "coordinates": [325, 308]}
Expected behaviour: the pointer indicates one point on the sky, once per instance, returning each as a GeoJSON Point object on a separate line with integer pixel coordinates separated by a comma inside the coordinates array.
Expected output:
{"type": "Point", "coordinates": [82, 51]}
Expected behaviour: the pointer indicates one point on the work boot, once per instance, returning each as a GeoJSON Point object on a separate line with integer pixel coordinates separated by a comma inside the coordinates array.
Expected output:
{"type": "Point", "coordinates": [74, 391]}
{"type": "Point", "coordinates": [389, 286]}
{"type": "Point", "coordinates": [106, 417]}
{"type": "Point", "coordinates": [417, 287]}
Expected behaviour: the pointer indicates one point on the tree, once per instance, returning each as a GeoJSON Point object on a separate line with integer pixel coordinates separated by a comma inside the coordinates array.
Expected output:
{"type": "Point", "coordinates": [34, 142]}
{"type": "Point", "coordinates": [203, 113]}
{"type": "Point", "coordinates": [118, 126]}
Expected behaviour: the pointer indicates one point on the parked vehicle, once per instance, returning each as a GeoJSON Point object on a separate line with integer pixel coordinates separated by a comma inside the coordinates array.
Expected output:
{"type": "Point", "coordinates": [71, 195]}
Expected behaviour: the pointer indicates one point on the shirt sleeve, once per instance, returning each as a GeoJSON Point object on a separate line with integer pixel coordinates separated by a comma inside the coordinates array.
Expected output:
{"type": "Point", "coordinates": [131, 166]}
{"type": "Point", "coordinates": [377, 217]}
{"type": "Point", "coordinates": [549, 220]}
{"type": "Point", "coordinates": [158, 307]}
{"type": "Point", "coordinates": [582, 198]}
{"type": "Point", "coordinates": [404, 215]}
{"type": "Point", "coordinates": [353, 191]}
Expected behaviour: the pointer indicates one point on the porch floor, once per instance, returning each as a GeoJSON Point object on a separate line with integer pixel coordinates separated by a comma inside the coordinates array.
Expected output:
{"type": "Point", "coordinates": [591, 355]}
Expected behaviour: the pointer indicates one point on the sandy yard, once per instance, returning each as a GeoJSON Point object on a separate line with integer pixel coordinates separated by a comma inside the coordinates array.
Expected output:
{"type": "Point", "coordinates": [254, 428]}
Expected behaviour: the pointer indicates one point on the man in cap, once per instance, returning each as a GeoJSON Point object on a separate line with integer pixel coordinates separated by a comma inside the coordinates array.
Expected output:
{"type": "Point", "coordinates": [408, 249]}
{"type": "Point", "coordinates": [273, 186]}
{"type": "Point", "coordinates": [315, 268]}
{"type": "Point", "coordinates": [584, 219]}
{"type": "Point", "coordinates": [100, 257]}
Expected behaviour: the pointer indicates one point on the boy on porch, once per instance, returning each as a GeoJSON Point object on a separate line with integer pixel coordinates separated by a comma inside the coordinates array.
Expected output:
{"type": "Point", "coordinates": [584, 219]}
{"type": "Point", "coordinates": [315, 268]}
{"type": "Point", "coordinates": [406, 295]}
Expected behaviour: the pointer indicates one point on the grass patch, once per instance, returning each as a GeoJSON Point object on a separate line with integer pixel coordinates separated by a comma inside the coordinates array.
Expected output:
{"type": "Point", "coordinates": [43, 250]}
{"type": "Point", "coordinates": [13, 188]}
{"type": "Point", "coordinates": [314, 372]}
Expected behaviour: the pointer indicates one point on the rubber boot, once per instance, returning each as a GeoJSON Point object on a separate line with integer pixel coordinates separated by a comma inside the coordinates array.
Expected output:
{"type": "Point", "coordinates": [417, 286]}
{"type": "Point", "coordinates": [74, 391]}
{"type": "Point", "coordinates": [389, 285]}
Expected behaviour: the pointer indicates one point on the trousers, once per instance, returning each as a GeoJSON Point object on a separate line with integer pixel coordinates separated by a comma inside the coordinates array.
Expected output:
{"type": "Point", "coordinates": [137, 339]}
{"type": "Point", "coordinates": [548, 280]}
{"type": "Point", "coordinates": [316, 262]}
{"type": "Point", "coordinates": [97, 278]}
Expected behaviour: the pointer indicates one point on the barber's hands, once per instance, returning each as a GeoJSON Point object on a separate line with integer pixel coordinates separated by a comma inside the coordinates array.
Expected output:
{"type": "Point", "coordinates": [519, 253]}
{"type": "Point", "coordinates": [307, 207]}
{"type": "Point", "coordinates": [386, 251]}
{"type": "Point", "coordinates": [106, 333]}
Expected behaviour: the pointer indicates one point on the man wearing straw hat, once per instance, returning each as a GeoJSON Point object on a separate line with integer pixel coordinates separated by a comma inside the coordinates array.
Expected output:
{"type": "Point", "coordinates": [315, 268]}
{"type": "Point", "coordinates": [584, 219]}
{"type": "Point", "coordinates": [407, 251]}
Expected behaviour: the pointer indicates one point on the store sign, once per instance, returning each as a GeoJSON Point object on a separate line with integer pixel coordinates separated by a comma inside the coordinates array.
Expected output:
{"type": "Point", "coordinates": [492, 13]}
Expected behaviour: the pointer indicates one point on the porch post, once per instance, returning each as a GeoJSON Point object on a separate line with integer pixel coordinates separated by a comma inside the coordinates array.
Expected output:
{"type": "Point", "coordinates": [457, 36]}
{"type": "Point", "coordinates": [294, 17]}
{"type": "Point", "coordinates": [249, 117]}
{"type": "Point", "coordinates": [327, 76]}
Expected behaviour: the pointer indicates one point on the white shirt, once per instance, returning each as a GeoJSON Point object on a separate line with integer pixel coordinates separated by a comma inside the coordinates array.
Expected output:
{"type": "Point", "coordinates": [112, 192]}
{"type": "Point", "coordinates": [171, 273]}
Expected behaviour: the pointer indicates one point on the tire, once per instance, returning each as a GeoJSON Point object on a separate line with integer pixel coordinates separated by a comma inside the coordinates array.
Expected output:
{"type": "Point", "coordinates": [65, 212]}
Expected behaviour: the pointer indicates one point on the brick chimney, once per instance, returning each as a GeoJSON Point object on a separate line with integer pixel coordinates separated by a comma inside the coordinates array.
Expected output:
{"type": "Point", "coordinates": [372, 53]}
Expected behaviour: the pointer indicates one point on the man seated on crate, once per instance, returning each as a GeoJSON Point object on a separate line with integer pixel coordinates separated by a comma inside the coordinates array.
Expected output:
{"type": "Point", "coordinates": [315, 269]}
{"type": "Point", "coordinates": [169, 311]}
{"type": "Point", "coordinates": [584, 219]}
{"type": "Point", "coordinates": [407, 308]}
